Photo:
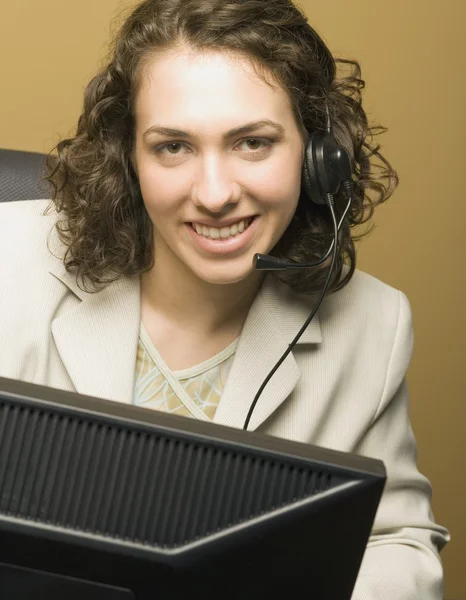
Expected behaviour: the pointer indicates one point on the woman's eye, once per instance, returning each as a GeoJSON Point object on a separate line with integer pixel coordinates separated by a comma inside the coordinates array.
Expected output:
{"type": "Point", "coordinates": [172, 148]}
{"type": "Point", "coordinates": [255, 144]}
{"type": "Point", "coordinates": [169, 150]}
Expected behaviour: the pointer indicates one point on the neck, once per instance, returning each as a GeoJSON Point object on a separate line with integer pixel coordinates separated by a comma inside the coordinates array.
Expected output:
{"type": "Point", "coordinates": [181, 297]}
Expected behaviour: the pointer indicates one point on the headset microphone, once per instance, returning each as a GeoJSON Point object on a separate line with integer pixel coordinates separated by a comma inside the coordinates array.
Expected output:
{"type": "Point", "coordinates": [326, 167]}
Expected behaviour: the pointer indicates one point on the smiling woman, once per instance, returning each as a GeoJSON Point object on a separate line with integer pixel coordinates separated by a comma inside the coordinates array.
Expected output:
{"type": "Point", "coordinates": [217, 132]}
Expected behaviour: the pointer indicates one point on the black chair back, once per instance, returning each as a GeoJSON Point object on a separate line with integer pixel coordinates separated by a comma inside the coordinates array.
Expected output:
{"type": "Point", "coordinates": [20, 176]}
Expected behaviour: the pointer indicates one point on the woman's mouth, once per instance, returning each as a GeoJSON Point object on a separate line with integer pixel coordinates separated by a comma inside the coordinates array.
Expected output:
{"type": "Point", "coordinates": [223, 233]}
{"type": "Point", "coordinates": [234, 238]}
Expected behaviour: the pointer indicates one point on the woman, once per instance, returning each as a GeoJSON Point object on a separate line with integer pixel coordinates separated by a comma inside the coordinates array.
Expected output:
{"type": "Point", "coordinates": [187, 161]}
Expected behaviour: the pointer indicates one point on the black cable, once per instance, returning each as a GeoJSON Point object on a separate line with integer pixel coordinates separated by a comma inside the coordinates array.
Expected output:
{"type": "Point", "coordinates": [349, 190]}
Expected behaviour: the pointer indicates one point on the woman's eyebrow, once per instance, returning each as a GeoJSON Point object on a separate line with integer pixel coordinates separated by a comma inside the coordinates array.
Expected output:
{"type": "Point", "coordinates": [242, 130]}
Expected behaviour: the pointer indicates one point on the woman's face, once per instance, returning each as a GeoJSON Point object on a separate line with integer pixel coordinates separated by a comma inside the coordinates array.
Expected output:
{"type": "Point", "coordinates": [218, 155]}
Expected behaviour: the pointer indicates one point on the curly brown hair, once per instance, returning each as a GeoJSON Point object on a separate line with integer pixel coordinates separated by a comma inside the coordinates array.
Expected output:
{"type": "Point", "coordinates": [106, 229]}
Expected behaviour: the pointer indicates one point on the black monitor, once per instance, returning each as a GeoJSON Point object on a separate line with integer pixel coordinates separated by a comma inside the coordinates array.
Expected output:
{"type": "Point", "coordinates": [106, 501]}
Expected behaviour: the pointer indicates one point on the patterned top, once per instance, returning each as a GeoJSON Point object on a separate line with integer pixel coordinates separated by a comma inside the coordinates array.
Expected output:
{"type": "Point", "coordinates": [193, 392]}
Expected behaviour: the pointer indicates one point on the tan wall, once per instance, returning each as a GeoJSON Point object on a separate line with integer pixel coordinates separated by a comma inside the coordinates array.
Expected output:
{"type": "Point", "coordinates": [413, 55]}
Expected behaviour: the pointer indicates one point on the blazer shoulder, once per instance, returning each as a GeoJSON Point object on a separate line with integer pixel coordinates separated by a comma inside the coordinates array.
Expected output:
{"type": "Point", "coordinates": [23, 213]}
{"type": "Point", "coordinates": [29, 244]}
{"type": "Point", "coordinates": [364, 292]}
{"type": "Point", "coordinates": [368, 309]}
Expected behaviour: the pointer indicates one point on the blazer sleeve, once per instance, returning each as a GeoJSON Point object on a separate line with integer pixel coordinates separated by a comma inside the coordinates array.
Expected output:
{"type": "Point", "coordinates": [402, 560]}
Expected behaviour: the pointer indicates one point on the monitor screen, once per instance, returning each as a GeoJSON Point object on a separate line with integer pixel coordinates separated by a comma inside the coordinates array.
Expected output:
{"type": "Point", "coordinates": [103, 500]}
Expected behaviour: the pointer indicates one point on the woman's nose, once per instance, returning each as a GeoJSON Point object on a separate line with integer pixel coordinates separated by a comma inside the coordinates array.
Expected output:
{"type": "Point", "coordinates": [215, 188]}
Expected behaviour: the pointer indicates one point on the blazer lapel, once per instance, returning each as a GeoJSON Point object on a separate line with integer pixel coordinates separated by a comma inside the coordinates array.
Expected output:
{"type": "Point", "coordinates": [97, 340]}
{"type": "Point", "coordinates": [273, 321]}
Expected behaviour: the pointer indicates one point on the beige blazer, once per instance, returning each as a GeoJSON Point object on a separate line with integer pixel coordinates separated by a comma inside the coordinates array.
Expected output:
{"type": "Point", "coordinates": [343, 387]}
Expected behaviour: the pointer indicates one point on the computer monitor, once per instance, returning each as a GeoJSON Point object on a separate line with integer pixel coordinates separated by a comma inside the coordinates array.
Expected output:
{"type": "Point", "coordinates": [106, 501]}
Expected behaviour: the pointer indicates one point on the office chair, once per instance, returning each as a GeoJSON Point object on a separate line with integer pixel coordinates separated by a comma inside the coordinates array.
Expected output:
{"type": "Point", "coordinates": [20, 176]}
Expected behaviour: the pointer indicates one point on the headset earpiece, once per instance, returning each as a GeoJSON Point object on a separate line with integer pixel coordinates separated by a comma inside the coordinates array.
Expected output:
{"type": "Point", "coordinates": [326, 165]}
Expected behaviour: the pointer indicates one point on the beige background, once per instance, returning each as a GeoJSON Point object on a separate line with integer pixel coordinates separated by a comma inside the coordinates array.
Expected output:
{"type": "Point", "coordinates": [413, 55]}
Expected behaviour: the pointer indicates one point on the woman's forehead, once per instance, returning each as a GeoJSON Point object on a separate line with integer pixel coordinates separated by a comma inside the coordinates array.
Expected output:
{"type": "Point", "coordinates": [203, 86]}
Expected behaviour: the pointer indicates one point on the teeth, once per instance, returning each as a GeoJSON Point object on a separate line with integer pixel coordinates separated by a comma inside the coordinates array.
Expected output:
{"type": "Point", "coordinates": [223, 233]}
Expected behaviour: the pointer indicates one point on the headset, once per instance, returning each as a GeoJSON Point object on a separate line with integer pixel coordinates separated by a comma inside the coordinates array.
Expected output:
{"type": "Point", "coordinates": [326, 167]}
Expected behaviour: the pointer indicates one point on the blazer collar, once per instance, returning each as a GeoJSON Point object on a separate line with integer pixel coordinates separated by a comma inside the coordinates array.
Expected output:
{"type": "Point", "coordinates": [272, 323]}
{"type": "Point", "coordinates": [290, 311]}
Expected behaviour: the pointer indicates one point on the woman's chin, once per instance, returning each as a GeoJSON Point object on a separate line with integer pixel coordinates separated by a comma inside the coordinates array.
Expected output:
{"type": "Point", "coordinates": [227, 276]}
